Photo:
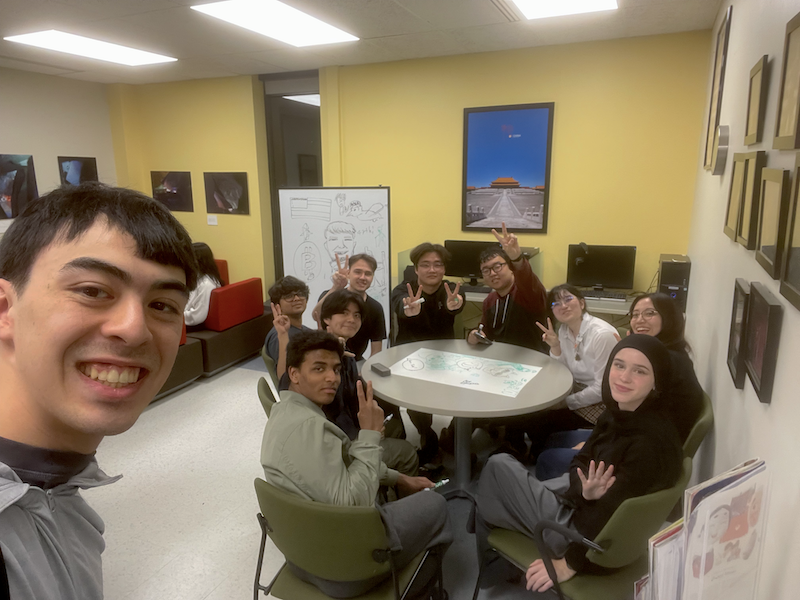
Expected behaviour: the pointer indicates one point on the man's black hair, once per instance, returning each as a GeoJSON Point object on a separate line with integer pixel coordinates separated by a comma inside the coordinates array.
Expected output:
{"type": "Point", "coordinates": [337, 302]}
{"type": "Point", "coordinates": [66, 213]}
{"type": "Point", "coordinates": [287, 285]}
{"type": "Point", "coordinates": [307, 341]}
{"type": "Point", "coordinates": [491, 252]}
{"type": "Point", "coordinates": [373, 264]}
{"type": "Point", "coordinates": [425, 247]}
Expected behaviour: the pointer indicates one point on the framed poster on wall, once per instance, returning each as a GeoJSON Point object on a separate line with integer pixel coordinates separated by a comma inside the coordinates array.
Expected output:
{"type": "Point", "coordinates": [506, 176]}
{"type": "Point", "coordinates": [319, 225]}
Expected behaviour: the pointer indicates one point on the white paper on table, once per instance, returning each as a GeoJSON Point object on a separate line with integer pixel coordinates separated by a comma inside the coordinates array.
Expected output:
{"type": "Point", "coordinates": [466, 371]}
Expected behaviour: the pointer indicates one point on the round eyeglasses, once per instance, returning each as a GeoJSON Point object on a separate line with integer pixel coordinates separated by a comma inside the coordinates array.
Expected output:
{"type": "Point", "coordinates": [646, 314]}
{"type": "Point", "coordinates": [495, 268]}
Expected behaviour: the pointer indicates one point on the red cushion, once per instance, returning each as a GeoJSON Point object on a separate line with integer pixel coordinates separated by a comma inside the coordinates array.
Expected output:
{"type": "Point", "coordinates": [234, 304]}
{"type": "Point", "coordinates": [183, 334]}
{"type": "Point", "coordinates": [222, 265]}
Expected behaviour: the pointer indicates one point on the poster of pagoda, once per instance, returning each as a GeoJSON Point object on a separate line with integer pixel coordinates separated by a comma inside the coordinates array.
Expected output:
{"type": "Point", "coordinates": [507, 167]}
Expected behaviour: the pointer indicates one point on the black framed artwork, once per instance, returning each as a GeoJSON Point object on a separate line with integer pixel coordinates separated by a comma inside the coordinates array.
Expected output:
{"type": "Point", "coordinates": [506, 175]}
{"type": "Point", "coordinates": [747, 230]}
{"type": "Point", "coordinates": [720, 58]}
{"type": "Point", "coordinates": [764, 318]}
{"type": "Point", "coordinates": [736, 338]}
{"type": "Point", "coordinates": [17, 184]}
{"type": "Point", "coordinates": [735, 194]}
{"type": "Point", "coordinates": [226, 193]}
{"type": "Point", "coordinates": [790, 269]}
{"type": "Point", "coordinates": [173, 189]}
{"type": "Point", "coordinates": [773, 210]}
{"type": "Point", "coordinates": [74, 170]}
{"type": "Point", "coordinates": [787, 120]}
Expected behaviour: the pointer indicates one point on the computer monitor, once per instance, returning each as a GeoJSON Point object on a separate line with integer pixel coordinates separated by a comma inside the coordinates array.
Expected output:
{"type": "Point", "coordinates": [465, 261]}
{"type": "Point", "coordinates": [601, 266]}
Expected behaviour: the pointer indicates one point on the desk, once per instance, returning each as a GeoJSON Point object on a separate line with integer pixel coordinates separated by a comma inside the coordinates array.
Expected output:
{"type": "Point", "coordinates": [547, 388]}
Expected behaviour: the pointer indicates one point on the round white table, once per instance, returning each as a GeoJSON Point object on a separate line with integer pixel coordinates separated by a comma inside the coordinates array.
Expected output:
{"type": "Point", "coordinates": [550, 385]}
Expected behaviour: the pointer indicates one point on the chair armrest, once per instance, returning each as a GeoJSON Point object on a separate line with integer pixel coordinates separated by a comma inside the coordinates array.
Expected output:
{"type": "Point", "coordinates": [544, 551]}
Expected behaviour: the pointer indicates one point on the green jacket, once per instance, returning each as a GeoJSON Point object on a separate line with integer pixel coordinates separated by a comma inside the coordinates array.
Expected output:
{"type": "Point", "coordinates": [304, 453]}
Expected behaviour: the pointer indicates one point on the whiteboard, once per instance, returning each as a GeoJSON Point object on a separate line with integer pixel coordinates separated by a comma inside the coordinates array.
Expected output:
{"type": "Point", "coordinates": [316, 224]}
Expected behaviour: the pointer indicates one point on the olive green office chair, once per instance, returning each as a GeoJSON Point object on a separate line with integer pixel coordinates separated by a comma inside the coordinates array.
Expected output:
{"type": "Point", "coordinates": [700, 429]}
{"type": "Point", "coordinates": [267, 395]}
{"type": "Point", "coordinates": [623, 543]}
{"type": "Point", "coordinates": [272, 368]}
{"type": "Point", "coordinates": [339, 543]}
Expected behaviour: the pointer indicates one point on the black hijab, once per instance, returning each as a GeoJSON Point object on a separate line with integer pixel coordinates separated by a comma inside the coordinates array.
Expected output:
{"type": "Point", "coordinates": [656, 404]}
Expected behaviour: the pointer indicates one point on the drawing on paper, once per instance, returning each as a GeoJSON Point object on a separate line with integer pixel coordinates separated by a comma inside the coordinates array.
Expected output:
{"type": "Point", "coordinates": [465, 371]}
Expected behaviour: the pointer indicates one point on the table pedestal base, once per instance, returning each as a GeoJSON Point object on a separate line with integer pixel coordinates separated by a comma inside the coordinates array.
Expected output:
{"type": "Point", "coordinates": [457, 488]}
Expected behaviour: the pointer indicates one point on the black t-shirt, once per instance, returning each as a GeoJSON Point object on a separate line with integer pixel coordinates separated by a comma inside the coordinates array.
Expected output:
{"type": "Point", "coordinates": [373, 327]}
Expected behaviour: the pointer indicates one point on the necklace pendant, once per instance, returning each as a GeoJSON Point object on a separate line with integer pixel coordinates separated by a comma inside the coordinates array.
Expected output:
{"type": "Point", "coordinates": [577, 356]}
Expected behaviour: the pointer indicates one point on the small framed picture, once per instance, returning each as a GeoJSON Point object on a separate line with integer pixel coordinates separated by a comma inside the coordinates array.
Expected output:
{"type": "Point", "coordinates": [747, 230]}
{"type": "Point", "coordinates": [764, 318]}
{"type": "Point", "coordinates": [774, 208]}
{"type": "Point", "coordinates": [735, 195]}
{"type": "Point", "coordinates": [790, 267]}
{"type": "Point", "coordinates": [787, 119]}
{"type": "Point", "coordinates": [226, 193]}
{"type": "Point", "coordinates": [756, 101]}
{"type": "Point", "coordinates": [720, 57]}
{"type": "Point", "coordinates": [74, 170]}
{"type": "Point", "coordinates": [736, 338]}
{"type": "Point", "coordinates": [173, 189]}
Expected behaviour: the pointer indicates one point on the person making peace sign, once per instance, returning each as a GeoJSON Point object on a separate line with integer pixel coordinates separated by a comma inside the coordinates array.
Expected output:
{"type": "Point", "coordinates": [518, 299]}
{"type": "Point", "coordinates": [426, 309]}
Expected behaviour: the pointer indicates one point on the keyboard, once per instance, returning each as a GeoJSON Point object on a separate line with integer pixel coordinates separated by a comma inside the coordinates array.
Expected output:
{"type": "Point", "coordinates": [605, 295]}
{"type": "Point", "coordinates": [477, 289]}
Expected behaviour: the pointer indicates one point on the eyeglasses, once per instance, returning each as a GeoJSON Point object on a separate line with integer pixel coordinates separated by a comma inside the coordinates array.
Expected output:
{"type": "Point", "coordinates": [562, 302]}
{"type": "Point", "coordinates": [495, 268]}
{"type": "Point", "coordinates": [294, 296]}
{"type": "Point", "coordinates": [427, 266]}
{"type": "Point", "coordinates": [645, 314]}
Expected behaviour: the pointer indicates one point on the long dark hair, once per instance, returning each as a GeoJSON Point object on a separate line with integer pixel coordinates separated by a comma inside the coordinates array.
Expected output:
{"type": "Point", "coordinates": [205, 260]}
{"type": "Point", "coordinates": [672, 321]}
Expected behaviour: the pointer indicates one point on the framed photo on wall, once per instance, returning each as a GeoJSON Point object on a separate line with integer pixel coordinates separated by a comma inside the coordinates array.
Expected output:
{"type": "Point", "coordinates": [787, 119]}
{"type": "Point", "coordinates": [756, 101]}
{"type": "Point", "coordinates": [736, 338]}
{"type": "Point", "coordinates": [774, 208]}
{"type": "Point", "coordinates": [764, 318]}
{"type": "Point", "coordinates": [720, 58]}
{"type": "Point", "coordinates": [735, 194]}
{"type": "Point", "coordinates": [226, 193]}
{"type": "Point", "coordinates": [506, 176]}
{"type": "Point", "coordinates": [748, 220]}
{"type": "Point", "coordinates": [173, 189]}
{"type": "Point", "coordinates": [74, 170]}
{"type": "Point", "coordinates": [790, 269]}
{"type": "Point", "coordinates": [17, 186]}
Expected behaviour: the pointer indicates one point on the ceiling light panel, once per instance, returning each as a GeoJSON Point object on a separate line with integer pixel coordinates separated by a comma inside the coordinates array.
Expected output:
{"type": "Point", "coordinates": [90, 48]}
{"type": "Point", "coordinates": [276, 20]}
{"type": "Point", "coordinates": [542, 9]}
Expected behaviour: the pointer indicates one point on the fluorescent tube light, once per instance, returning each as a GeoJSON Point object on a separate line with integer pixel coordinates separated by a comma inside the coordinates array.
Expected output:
{"type": "Point", "coordinates": [83, 46]}
{"type": "Point", "coordinates": [312, 99]}
{"type": "Point", "coordinates": [542, 9]}
{"type": "Point", "coordinates": [276, 20]}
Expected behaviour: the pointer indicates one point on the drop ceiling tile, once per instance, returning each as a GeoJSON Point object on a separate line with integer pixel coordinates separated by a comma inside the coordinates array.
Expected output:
{"type": "Point", "coordinates": [25, 65]}
{"type": "Point", "coordinates": [454, 14]}
{"type": "Point", "coordinates": [364, 19]}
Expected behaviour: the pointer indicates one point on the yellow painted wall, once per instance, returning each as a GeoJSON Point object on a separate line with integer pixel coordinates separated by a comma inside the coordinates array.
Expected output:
{"type": "Point", "coordinates": [201, 126]}
{"type": "Point", "coordinates": [628, 116]}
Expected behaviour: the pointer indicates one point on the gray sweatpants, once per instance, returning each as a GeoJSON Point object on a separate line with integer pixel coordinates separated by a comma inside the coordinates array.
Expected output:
{"type": "Point", "coordinates": [509, 496]}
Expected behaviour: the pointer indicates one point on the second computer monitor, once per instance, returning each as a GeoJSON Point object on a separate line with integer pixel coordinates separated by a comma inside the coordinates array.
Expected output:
{"type": "Point", "coordinates": [606, 267]}
{"type": "Point", "coordinates": [465, 261]}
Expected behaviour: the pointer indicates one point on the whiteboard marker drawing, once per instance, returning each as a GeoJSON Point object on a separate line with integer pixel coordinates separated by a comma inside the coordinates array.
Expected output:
{"type": "Point", "coordinates": [310, 208]}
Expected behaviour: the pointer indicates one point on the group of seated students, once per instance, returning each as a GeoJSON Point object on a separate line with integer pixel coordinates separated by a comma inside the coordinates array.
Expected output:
{"type": "Point", "coordinates": [632, 406]}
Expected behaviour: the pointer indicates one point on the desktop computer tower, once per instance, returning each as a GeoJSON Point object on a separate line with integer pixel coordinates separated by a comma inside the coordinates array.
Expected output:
{"type": "Point", "coordinates": [673, 279]}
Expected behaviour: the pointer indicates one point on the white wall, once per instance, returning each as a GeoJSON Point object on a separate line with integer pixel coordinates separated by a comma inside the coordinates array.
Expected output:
{"type": "Point", "coordinates": [48, 117]}
{"type": "Point", "coordinates": [744, 427]}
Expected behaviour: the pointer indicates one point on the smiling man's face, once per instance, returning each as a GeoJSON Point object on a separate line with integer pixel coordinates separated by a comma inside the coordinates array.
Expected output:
{"type": "Point", "coordinates": [89, 341]}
